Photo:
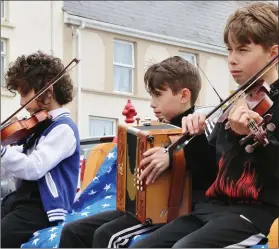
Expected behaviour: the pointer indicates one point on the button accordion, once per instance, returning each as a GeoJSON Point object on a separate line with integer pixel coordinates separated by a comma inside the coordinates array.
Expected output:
{"type": "Point", "coordinates": [170, 195]}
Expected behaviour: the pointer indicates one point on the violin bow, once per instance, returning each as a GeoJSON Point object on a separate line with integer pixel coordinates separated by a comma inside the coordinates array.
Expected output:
{"type": "Point", "coordinates": [210, 84]}
{"type": "Point", "coordinates": [46, 87]}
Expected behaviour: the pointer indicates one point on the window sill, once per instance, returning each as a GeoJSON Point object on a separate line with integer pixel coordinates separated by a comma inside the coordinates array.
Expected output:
{"type": "Point", "coordinates": [6, 93]}
{"type": "Point", "coordinates": [5, 23]}
{"type": "Point", "coordinates": [123, 93]}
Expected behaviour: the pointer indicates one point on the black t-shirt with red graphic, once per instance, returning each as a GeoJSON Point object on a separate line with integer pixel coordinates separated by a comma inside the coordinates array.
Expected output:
{"type": "Point", "coordinates": [242, 176]}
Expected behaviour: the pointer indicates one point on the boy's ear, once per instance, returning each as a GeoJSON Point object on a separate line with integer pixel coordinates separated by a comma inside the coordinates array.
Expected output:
{"type": "Point", "coordinates": [185, 95]}
{"type": "Point", "coordinates": [274, 51]}
{"type": "Point", "coordinates": [50, 92]}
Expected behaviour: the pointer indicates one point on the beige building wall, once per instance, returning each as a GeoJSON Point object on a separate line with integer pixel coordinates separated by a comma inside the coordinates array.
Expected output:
{"type": "Point", "coordinates": [98, 98]}
{"type": "Point", "coordinates": [32, 25]}
{"type": "Point", "coordinates": [29, 26]}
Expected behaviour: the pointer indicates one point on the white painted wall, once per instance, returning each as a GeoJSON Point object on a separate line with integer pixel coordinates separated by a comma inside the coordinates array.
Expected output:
{"type": "Point", "coordinates": [93, 52]}
{"type": "Point", "coordinates": [27, 28]}
{"type": "Point", "coordinates": [98, 98]}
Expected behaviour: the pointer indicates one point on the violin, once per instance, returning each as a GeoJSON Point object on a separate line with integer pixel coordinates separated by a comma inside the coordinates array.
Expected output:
{"type": "Point", "coordinates": [259, 101]}
{"type": "Point", "coordinates": [14, 132]}
{"type": "Point", "coordinates": [256, 95]}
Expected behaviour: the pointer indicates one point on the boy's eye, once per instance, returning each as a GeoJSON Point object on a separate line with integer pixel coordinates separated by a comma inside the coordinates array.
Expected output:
{"type": "Point", "coordinates": [243, 49]}
{"type": "Point", "coordinates": [156, 95]}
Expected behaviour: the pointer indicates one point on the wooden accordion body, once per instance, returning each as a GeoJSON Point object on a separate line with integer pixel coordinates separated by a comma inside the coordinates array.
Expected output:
{"type": "Point", "coordinates": [162, 201]}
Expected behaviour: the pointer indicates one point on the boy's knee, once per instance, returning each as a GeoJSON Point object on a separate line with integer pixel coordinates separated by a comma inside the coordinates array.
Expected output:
{"type": "Point", "coordinates": [66, 233]}
{"type": "Point", "coordinates": [67, 229]}
{"type": "Point", "coordinates": [9, 238]}
{"type": "Point", "coordinates": [100, 237]}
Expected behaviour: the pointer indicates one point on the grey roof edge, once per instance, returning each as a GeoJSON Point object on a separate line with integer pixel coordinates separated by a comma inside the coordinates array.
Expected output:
{"type": "Point", "coordinates": [72, 19]}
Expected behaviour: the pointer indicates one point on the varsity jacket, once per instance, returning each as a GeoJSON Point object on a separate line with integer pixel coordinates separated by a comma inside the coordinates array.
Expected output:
{"type": "Point", "coordinates": [52, 161]}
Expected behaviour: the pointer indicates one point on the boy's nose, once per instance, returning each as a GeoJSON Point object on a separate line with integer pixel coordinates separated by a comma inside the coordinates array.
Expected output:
{"type": "Point", "coordinates": [152, 103]}
{"type": "Point", "coordinates": [232, 59]}
{"type": "Point", "coordinates": [22, 102]}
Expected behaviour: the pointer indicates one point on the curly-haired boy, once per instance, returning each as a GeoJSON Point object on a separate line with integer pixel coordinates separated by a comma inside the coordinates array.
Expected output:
{"type": "Point", "coordinates": [46, 166]}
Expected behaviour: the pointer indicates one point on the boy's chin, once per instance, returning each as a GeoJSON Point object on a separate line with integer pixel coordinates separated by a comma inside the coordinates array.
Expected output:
{"type": "Point", "coordinates": [240, 80]}
{"type": "Point", "coordinates": [31, 111]}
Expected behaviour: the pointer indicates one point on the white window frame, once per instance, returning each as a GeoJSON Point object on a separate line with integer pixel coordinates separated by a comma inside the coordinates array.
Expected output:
{"type": "Point", "coordinates": [4, 54]}
{"type": "Point", "coordinates": [189, 54]}
{"type": "Point", "coordinates": [114, 121]}
{"type": "Point", "coordinates": [125, 65]}
{"type": "Point", "coordinates": [4, 8]}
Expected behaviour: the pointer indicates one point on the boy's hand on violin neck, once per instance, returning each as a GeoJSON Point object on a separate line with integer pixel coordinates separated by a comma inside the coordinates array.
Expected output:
{"type": "Point", "coordinates": [239, 118]}
{"type": "Point", "coordinates": [156, 162]}
{"type": "Point", "coordinates": [194, 124]}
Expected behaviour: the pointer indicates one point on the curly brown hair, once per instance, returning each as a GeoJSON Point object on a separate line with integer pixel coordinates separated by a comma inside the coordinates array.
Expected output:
{"type": "Point", "coordinates": [34, 71]}
{"type": "Point", "coordinates": [175, 73]}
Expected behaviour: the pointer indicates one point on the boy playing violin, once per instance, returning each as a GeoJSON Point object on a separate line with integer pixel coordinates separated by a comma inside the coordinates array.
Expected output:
{"type": "Point", "coordinates": [46, 166]}
{"type": "Point", "coordinates": [174, 85]}
{"type": "Point", "coordinates": [244, 196]}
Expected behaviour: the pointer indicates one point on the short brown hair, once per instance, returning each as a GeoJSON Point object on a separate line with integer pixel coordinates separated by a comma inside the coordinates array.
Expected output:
{"type": "Point", "coordinates": [257, 22]}
{"type": "Point", "coordinates": [34, 71]}
{"type": "Point", "coordinates": [175, 73]}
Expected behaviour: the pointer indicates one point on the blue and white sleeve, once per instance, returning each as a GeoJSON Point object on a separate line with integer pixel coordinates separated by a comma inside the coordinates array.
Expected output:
{"type": "Point", "coordinates": [59, 144]}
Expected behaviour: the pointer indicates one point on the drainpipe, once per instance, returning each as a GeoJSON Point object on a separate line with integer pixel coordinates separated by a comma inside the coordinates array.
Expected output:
{"type": "Point", "coordinates": [78, 71]}
{"type": "Point", "coordinates": [51, 26]}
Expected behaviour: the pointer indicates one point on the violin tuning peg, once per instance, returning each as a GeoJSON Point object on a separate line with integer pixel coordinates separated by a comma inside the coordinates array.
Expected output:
{"type": "Point", "coordinates": [267, 118]}
{"type": "Point", "coordinates": [246, 139]}
{"type": "Point", "coordinates": [249, 148]}
{"type": "Point", "coordinates": [227, 126]}
{"type": "Point", "coordinates": [271, 127]}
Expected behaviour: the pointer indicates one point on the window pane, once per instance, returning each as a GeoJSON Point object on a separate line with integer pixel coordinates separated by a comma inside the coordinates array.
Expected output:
{"type": "Point", "coordinates": [189, 57]}
{"type": "Point", "coordinates": [101, 127]}
{"type": "Point", "coordinates": [123, 53]}
{"type": "Point", "coordinates": [123, 79]}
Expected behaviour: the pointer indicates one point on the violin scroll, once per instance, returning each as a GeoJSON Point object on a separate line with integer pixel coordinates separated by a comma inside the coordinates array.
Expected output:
{"type": "Point", "coordinates": [258, 133]}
